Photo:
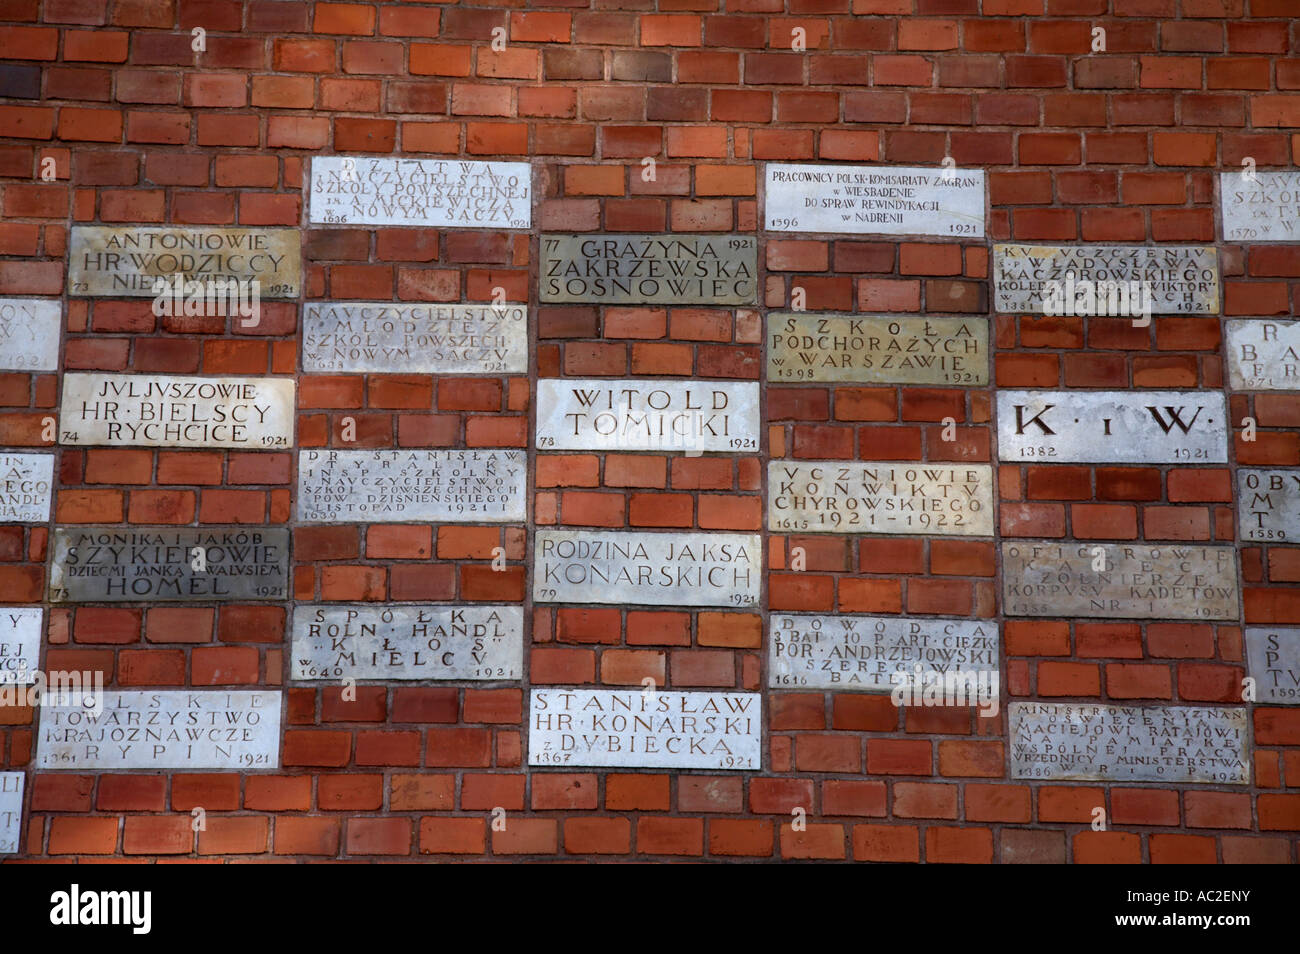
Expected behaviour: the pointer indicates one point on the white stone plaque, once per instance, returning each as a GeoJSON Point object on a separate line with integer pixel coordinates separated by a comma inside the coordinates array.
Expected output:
{"type": "Point", "coordinates": [645, 268]}
{"type": "Point", "coordinates": [11, 811]}
{"type": "Point", "coordinates": [400, 486]}
{"type": "Point", "coordinates": [1172, 279]}
{"type": "Point", "coordinates": [163, 729]}
{"type": "Point", "coordinates": [21, 628]}
{"type": "Point", "coordinates": [1262, 208]}
{"type": "Point", "coordinates": [1273, 661]}
{"type": "Point", "coordinates": [629, 728]}
{"type": "Point", "coordinates": [171, 410]}
{"type": "Point", "coordinates": [875, 200]}
{"type": "Point", "coordinates": [434, 193]}
{"type": "Point", "coordinates": [645, 414]}
{"type": "Point", "coordinates": [1118, 580]}
{"type": "Point", "coordinates": [841, 496]}
{"type": "Point", "coordinates": [354, 337]}
{"type": "Point", "coordinates": [1268, 505]}
{"type": "Point", "coordinates": [400, 642]}
{"type": "Point", "coordinates": [1113, 427]}
{"type": "Point", "coordinates": [25, 484]}
{"type": "Point", "coordinates": [1263, 354]}
{"type": "Point", "coordinates": [1087, 742]}
{"type": "Point", "coordinates": [29, 334]}
{"type": "Point", "coordinates": [654, 569]}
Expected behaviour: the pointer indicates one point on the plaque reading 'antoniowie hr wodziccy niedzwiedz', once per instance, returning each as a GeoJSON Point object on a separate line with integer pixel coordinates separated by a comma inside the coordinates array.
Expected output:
{"type": "Point", "coordinates": [649, 269]}
{"type": "Point", "coordinates": [1263, 354]}
{"type": "Point", "coordinates": [1273, 661]}
{"type": "Point", "coordinates": [11, 811]}
{"type": "Point", "coordinates": [21, 629]}
{"type": "Point", "coordinates": [26, 481]}
{"type": "Point", "coordinates": [1260, 206]}
{"type": "Point", "coordinates": [29, 334]}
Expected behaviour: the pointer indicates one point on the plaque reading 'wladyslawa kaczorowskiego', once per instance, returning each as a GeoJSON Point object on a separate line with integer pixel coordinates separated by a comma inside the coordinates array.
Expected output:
{"type": "Point", "coordinates": [29, 334]}
{"type": "Point", "coordinates": [1263, 354]}
{"type": "Point", "coordinates": [1262, 207]}
{"type": "Point", "coordinates": [1273, 661]}
{"type": "Point", "coordinates": [649, 269]}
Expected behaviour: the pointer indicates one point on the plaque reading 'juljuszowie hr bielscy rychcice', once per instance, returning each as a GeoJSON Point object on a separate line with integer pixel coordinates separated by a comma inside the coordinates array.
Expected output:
{"type": "Point", "coordinates": [649, 269]}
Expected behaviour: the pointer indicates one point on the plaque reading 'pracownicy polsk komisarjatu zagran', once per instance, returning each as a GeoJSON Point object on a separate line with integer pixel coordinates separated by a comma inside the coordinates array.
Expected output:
{"type": "Point", "coordinates": [26, 482]}
{"type": "Point", "coordinates": [1260, 206]}
{"type": "Point", "coordinates": [1263, 354]}
{"type": "Point", "coordinates": [29, 334]}
{"type": "Point", "coordinates": [649, 269]}
{"type": "Point", "coordinates": [1086, 742]}
{"type": "Point", "coordinates": [874, 200]}
{"type": "Point", "coordinates": [1273, 661]}
{"type": "Point", "coordinates": [635, 729]}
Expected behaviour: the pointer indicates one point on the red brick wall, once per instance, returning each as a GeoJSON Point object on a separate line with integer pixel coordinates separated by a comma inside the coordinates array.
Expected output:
{"type": "Point", "coordinates": [1120, 146]}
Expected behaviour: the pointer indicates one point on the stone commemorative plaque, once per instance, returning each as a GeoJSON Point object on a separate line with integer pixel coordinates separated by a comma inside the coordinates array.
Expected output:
{"type": "Point", "coordinates": [650, 269]}
{"type": "Point", "coordinates": [654, 569]}
{"type": "Point", "coordinates": [1265, 208]}
{"type": "Point", "coordinates": [11, 811]}
{"type": "Point", "coordinates": [21, 628]}
{"type": "Point", "coordinates": [25, 483]}
{"type": "Point", "coordinates": [1268, 505]}
{"type": "Point", "coordinates": [149, 564]}
{"type": "Point", "coordinates": [433, 193]}
{"type": "Point", "coordinates": [868, 350]}
{"type": "Point", "coordinates": [163, 729]}
{"type": "Point", "coordinates": [1182, 280]}
{"type": "Point", "coordinates": [1263, 354]}
{"type": "Point", "coordinates": [1113, 427]}
{"type": "Point", "coordinates": [1273, 660]}
{"type": "Point", "coordinates": [834, 496]}
{"type": "Point", "coordinates": [874, 200]}
{"type": "Point", "coordinates": [167, 410]}
{"type": "Point", "coordinates": [377, 337]}
{"type": "Point", "coordinates": [1046, 578]}
{"type": "Point", "coordinates": [1079, 741]}
{"type": "Point", "coordinates": [125, 261]}
{"type": "Point", "coordinates": [399, 486]}
{"type": "Point", "coordinates": [433, 642]}
{"type": "Point", "coordinates": [613, 728]}
{"type": "Point", "coordinates": [29, 334]}
{"type": "Point", "coordinates": [647, 415]}
{"type": "Point", "coordinates": [860, 653]}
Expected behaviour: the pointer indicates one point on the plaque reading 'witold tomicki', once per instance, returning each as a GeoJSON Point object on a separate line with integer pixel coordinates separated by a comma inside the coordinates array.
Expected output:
{"type": "Point", "coordinates": [862, 653]}
{"type": "Point", "coordinates": [392, 486]}
{"type": "Point", "coordinates": [808, 347]}
{"type": "Point", "coordinates": [874, 200]}
{"type": "Point", "coordinates": [656, 569]}
{"type": "Point", "coordinates": [25, 482]}
{"type": "Point", "coordinates": [1262, 208]}
{"type": "Point", "coordinates": [434, 193]}
{"type": "Point", "coordinates": [408, 642]}
{"type": "Point", "coordinates": [126, 261]}
{"type": "Point", "coordinates": [166, 410]}
{"type": "Point", "coordinates": [11, 811]}
{"type": "Point", "coordinates": [1268, 505]}
{"type": "Point", "coordinates": [1263, 354]}
{"type": "Point", "coordinates": [429, 339]}
{"type": "Point", "coordinates": [1120, 427]}
{"type": "Point", "coordinates": [20, 642]}
{"type": "Point", "coordinates": [635, 729]}
{"type": "Point", "coordinates": [1179, 280]}
{"type": "Point", "coordinates": [29, 334]}
{"type": "Point", "coordinates": [649, 269]}
{"type": "Point", "coordinates": [1273, 660]}
{"type": "Point", "coordinates": [1070, 740]}
{"type": "Point", "coordinates": [830, 496]}
{"type": "Point", "coordinates": [1107, 580]}
{"type": "Point", "coordinates": [647, 415]}
{"type": "Point", "coordinates": [144, 564]}
{"type": "Point", "coordinates": [163, 729]}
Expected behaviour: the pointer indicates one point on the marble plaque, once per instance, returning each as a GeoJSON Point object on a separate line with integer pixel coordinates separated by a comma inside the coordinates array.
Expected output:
{"type": "Point", "coordinates": [653, 569]}
{"type": "Point", "coordinates": [25, 483]}
{"type": "Point", "coordinates": [171, 410]}
{"type": "Point", "coordinates": [1268, 505]}
{"type": "Point", "coordinates": [874, 200]}
{"type": "Point", "coordinates": [1273, 661]}
{"type": "Point", "coordinates": [646, 414]}
{"type": "Point", "coordinates": [635, 729]}
{"type": "Point", "coordinates": [163, 729]}
{"type": "Point", "coordinates": [401, 486]}
{"type": "Point", "coordinates": [21, 628]}
{"type": "Point", "coordinates": [397, 641]}
{"type": "Point", "coordinates": [1263, 354]}
{"type": "Point", "coordinates": [433, 193]}
{"type": "Point", "coordinates": [29, 334]}
{"type": "Point", "coordinates": [650, 269]}
{"type": "Point", "coordinates": [1180, 279]}
{"type": "Point", "coordinates": [125, 261]}
{"type": "Point", "coordinates": [11, 811]}
{"type": "Point", "coordinates": [358, 337]}
{"type": "Point", "coordinates": [834, 496]}
{"type": "Point", "coordinates": [1118, 580]}
{"type": "Point", "coordinates": [148, 564]}
{"type": "Point", "coordinates": [868, 350]}
{"type": "Point", "coordinates": [861, 653]}
{"type": "Point", "coordinates": [1263, 209]}
{"type": "Point", "coordinates": [1088, 742]}
{"type": "Point", "coordinates": [1113, 427]}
